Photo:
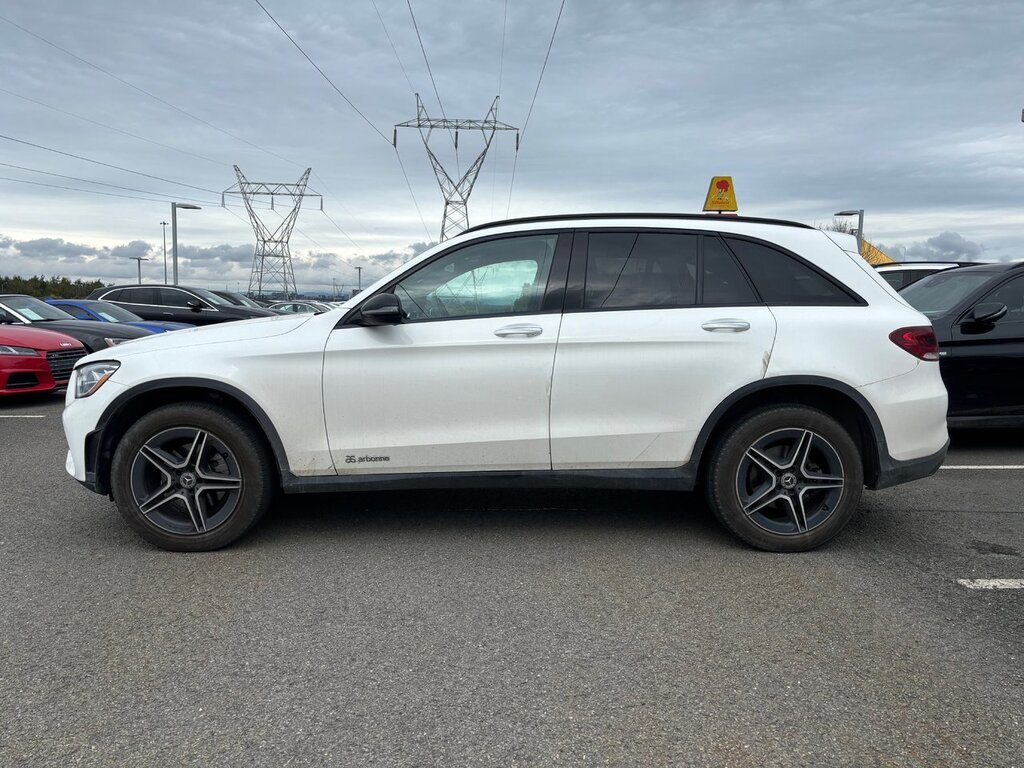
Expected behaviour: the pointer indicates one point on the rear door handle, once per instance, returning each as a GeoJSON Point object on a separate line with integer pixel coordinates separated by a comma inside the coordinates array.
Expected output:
{"type": "Point", "coordinates": [519, 329]}
{"type": "Point", "coordinates": [726, 325]}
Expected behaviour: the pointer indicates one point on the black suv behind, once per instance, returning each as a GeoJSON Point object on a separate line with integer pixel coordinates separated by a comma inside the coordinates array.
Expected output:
{"type": "Point", "coordinates": [177, 303]}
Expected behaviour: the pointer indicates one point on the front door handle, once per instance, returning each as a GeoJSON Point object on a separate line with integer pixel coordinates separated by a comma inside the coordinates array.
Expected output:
{"type": "Point", "coordinates": [519, 329]}
{"type": "Point", "coordinates": [726, 325]}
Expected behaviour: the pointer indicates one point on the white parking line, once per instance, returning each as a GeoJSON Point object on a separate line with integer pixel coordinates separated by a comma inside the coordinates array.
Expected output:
{"type": "Point", "coordinates": [991, 583]}
{"type": "Point", "coordinates": [982, 466]}
{"type": "Point", "coordinates": [22, 415]}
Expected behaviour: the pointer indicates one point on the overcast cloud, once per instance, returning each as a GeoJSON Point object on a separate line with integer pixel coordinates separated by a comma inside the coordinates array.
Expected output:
{"type": "Point", "coordinates": [909, 110]}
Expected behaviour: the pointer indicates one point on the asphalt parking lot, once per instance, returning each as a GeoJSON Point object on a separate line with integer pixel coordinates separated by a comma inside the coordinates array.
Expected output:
{"type": "Point", "coordinates": [503, 628]}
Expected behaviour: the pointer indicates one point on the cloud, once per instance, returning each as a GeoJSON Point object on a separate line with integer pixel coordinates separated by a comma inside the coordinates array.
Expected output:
{"type": "Point", "coordinates": [946, 246]}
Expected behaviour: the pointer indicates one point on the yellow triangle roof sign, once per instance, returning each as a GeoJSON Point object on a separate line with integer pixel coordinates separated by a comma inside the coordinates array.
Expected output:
{"type": "Point", "coordinates": [721, 195]}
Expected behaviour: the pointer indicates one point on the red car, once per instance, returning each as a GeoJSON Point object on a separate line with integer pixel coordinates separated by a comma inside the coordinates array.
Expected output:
{"type": "Point", "coordinates": [34, 360]}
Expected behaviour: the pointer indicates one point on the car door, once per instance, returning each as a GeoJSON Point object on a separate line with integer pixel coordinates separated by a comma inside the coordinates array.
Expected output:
{"type": "Point", "coordinates": [659, 327]}
{"type": "Point", "coordinates": [984, 366]}
{"type": "Point", "coordinates": [174, 306]}
{"type": "Point", "coordinates": [464, 382]}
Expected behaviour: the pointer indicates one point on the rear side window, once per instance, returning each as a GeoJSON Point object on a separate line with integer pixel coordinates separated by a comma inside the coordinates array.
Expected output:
{"type": "Point", "coordinates": [138, 296]}
{"type": "Point", "coordinates": [895, 278]}
{"type": "Point", "coordinates": [627, 270]}
{"type": "Point", "coordinates": [724, 282]}
{"type": "Point", "coordinates": [781, 279]}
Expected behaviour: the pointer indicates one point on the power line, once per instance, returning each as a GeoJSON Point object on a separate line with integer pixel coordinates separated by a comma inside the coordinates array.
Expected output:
{"type": "Point", "coordinates": [106, 165]}
{"type": "Point", "coordinates": [409, 185]}
{"type": "Point", "coordinates": [501, 72]}
{"type": "Point", "coordinates": [412, 89]}
{"type": "Point", "coordinates": [325, 213]}
{"type": "Point", "coordinates": [431, 73]}
{"type": "Point", "coordinates": [74, 189]}
{"type": "Point", "coordinates": [533, 101]}
{"type": "Point", "coordinates": [111, 127]}
{"type": "Point", "coordinates": [102, 183]}
{"type": "Point", "coordinates": [322, 73]}
{"type": "Point", "coordinates": [151, 95]}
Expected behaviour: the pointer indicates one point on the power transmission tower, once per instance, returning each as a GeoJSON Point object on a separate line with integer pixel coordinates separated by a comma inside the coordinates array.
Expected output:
{"type": "Point", "coordinates": [456, 193]}
{"type": "Point", "coordinates": [272, 261]}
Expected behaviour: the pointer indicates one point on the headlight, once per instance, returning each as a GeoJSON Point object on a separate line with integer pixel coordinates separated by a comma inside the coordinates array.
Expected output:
{"type": "Point", "coordinates": [91, 377]}
{"type": "Point", "coordinates": [6, 349]}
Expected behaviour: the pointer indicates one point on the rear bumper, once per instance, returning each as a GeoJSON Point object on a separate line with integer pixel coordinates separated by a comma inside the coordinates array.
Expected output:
{"type": "Point", "coordinates": [894, 472]}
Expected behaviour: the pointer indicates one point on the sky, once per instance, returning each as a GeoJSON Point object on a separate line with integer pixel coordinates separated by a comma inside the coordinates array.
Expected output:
{"type": "Point", "coordinates": [909, 110]}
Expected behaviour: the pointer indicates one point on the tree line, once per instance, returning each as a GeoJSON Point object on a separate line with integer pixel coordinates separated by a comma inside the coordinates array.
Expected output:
{"type": "Point", "coordinates": [40, 286]}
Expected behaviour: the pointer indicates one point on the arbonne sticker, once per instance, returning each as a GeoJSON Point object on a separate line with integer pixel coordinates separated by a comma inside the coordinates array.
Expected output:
{"type": "Point", "coordinates": [352, 459]}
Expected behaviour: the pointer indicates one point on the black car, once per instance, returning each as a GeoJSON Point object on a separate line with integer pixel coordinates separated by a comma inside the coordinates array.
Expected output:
{"type": "Point", "coordinates": [177, 303]}
{"type": "Point", "coordinates": [26, 310]}
{"type": "Point", "coordinates": [978, 316]}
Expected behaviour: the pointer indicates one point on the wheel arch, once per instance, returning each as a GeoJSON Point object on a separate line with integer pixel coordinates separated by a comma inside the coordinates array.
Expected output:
{"type": "Point", "coordinates": [124, 410]}
{"type": "Point", "coordinates": [838, 400]}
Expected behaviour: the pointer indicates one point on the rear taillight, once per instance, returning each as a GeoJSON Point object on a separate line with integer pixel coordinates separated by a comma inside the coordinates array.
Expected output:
{"type": "Point", "coordinates": [918, 340]}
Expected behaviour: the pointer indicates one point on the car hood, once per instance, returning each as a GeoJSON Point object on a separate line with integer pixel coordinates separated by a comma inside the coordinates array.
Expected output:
{"type": "Point", "coordinates": [162, 325]}
{"type": "Point", "coordinates": [37, 338]}
{"type": "Point", "coordinates": [92, 329]}
{"type": "Point", "coordinates": [240, 330]}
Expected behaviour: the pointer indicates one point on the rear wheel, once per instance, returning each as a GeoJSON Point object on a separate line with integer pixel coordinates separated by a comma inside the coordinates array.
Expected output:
{"type": "Point", "coordinates": [192, 477]}
{"type": "Point", "coordinates": [785, 478]}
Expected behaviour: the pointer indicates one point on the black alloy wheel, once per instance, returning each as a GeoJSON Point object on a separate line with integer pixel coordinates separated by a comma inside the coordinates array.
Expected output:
{"type": "Point", "coordinates": [192, 476]}
{"type": "Point", "coordinates": [785, 478]}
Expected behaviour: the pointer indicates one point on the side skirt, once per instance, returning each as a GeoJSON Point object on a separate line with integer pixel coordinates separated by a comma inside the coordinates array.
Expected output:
{"type": "Point", "coordinates": [672, 479]}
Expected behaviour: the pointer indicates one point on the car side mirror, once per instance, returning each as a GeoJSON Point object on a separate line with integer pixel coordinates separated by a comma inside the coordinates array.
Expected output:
{"type": "Point", "coordinates": [195, 306]}
{"type": "Point", "coordinates": [986, 313]}
{"type": "Point", "coordinates": [382, 309]}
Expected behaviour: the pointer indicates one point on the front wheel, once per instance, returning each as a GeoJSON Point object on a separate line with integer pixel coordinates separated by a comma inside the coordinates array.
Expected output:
{"type": "Point", "coordinates": [785, 478]}
{"type": "Point", "coordinates": [192, 477]}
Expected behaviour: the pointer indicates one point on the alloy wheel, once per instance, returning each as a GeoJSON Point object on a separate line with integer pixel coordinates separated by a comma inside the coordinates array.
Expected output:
{"type": "Point", "coordinates": [790, 481]}
{"type": "Point", "coordinates": [186, 481]}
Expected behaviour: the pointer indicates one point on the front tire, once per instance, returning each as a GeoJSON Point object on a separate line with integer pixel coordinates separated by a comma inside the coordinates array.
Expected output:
{"type": "Point", "coordinates": [785, 478]}
{"type": "Point", "coordinates": [192, 477]}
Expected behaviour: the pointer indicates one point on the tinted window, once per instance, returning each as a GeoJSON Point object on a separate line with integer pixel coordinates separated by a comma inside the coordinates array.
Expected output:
{"type": "Point", "coordinates": [781, 279]}
{"type": "Point", "coordinates": [940, 293]}
{"type": "Point", "coordinates": [171, 297]}
{"type": "Point", "coordinates": [646, 269]}
{"type": "Point", "coordinates": [115, 295]}
{"type": "Point", "coordinates": [138, 296]}
{"type": "Point", "coordinates": [74, 311]}
{"type": "Point", "coordinates": [1012, 295]}
{"type": "Point", "coordinates": [895, 278]}
{"type": "Point", "coordinates": [496, 277]}
{"type": "Point", "coordinates": [724, 282]}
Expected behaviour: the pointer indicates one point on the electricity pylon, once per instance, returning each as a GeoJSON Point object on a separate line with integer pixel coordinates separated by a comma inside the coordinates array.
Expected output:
{"type": "Point", "coordinates": [456, 193]}
{"type": "Point", "coordinates": [272, 260]}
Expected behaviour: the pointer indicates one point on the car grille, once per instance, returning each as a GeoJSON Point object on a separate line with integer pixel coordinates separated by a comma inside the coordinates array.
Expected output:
{"type": "Point", "coordinates": [61, 363]}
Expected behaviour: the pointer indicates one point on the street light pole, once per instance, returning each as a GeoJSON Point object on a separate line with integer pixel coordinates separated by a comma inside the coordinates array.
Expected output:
{"type": "Point", "coordinates": [359, 271]}
{"type": "Point", "coordinates": [174, 233]}
{"type": "Point", "coordinates": [163, 224]}
{"type": "Point", "coordinates": [139, 260]}
{"type": "Point", "coordinates": [859, 213]}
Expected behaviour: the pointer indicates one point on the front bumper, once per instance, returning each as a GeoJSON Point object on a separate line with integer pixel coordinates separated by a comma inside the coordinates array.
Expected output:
{"type": "Point", "coordinates": [894, 472]}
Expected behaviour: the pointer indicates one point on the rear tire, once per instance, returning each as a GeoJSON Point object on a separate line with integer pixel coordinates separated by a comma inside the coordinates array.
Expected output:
{"type": "Point", "coordinates": [785, 478]}
{"type": "Point", "coordinates": [192, 477]}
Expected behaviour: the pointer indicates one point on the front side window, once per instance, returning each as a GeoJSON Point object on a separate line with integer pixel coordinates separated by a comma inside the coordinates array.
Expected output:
{"type": "Point", "coordinates": [1012, 295]}
{"type": "Point", "coordinates": [497, 277]}
{"type": "Point", "coordinates": [634, 270]}
{"type": "Point", "coordinates": [171, 297]}
{"type": "Point", "coordinates": [782, 279]}
{"type": "Point", "coordinates": [74, 311]}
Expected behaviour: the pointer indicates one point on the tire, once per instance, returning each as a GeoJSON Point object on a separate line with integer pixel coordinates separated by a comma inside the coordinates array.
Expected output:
{"type": "Point", "coordinates": [192, 477]}
{"type": "Point", "coordinates": [785, 478]}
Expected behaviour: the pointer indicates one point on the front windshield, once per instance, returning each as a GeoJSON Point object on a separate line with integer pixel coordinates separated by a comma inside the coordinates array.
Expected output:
{"type": "Point", "coordinates": [211, 297]}
{"type": "Point", "coordinates": [937, 294]}
{"type": "Point", "coordinates": [113, 313]}
{"type": "Point", "coordinates": [34, 309]}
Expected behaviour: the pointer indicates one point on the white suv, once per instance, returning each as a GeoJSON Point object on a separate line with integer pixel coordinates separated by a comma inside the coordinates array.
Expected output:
{"type": "Point", "coordinates": [757, 359]}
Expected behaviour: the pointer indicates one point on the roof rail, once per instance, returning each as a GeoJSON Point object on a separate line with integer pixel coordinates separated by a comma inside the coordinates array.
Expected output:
{"type": "Point", "coordinates": [598, 216]}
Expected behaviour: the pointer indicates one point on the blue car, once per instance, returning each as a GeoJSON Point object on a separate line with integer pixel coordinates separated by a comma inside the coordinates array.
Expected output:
{"type": "Point", "coordinates": [104, 311]}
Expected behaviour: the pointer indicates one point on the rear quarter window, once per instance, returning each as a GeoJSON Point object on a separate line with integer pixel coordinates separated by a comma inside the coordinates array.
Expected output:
{"type": "Point", "coordinates": [783, 279]}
